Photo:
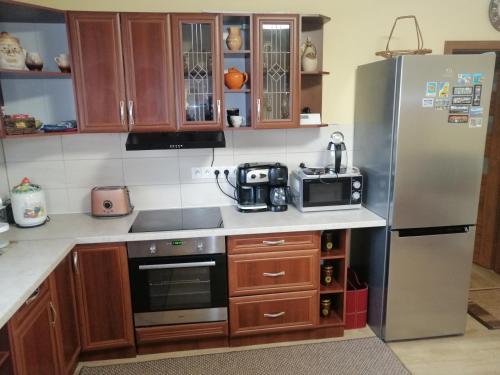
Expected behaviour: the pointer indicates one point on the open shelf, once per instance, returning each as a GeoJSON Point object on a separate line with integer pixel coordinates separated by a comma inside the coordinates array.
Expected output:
{"type": "Point", "coordinates": [39, 134]}
{"type": "Point", "coordinates": [311, 126]}
{"type": "Point", "coordinates": [13, 73]}
{"type": "Point", "coordinates": [246, 127]}
{"type": "Point", "coordinates": [236, 91]}
{"type": "Point", "coordinates": [316, 73]}
{"type": "Point", "coordinates": [333, 254]}
{"type": "Point", "coordinates": [24, 13]}
{"type": "Point", "coordinates": [333, 320]}
{"type": "Point", "coordinates": [239, 52]}
{"type": "Point", "coordinates": [334, 288]}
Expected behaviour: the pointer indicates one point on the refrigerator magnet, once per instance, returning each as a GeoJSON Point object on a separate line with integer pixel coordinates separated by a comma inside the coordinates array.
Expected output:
{"type": "Point", "coordinates": [476, 98]}
{"type": "Point", "coordinates": [444, 89]}
{"type": "Point", "coordinates": [461, 100]}
{"type": "Point", "coordinates": [441, 104]}
{"type": "Point", "coordinates": [461, 109]}
{"type": "Point", "coordinates": [458, 119]}
{"type": "Point", "coordinates": [465, 79]}
{"type": "Point", "coordinates": [477, 78]}
{"type": "Point", "coordinates": [462, 90]}
{"type": "Point", "coordinates": [476, 112]}
{"type": "Point", "coordinates": [476, 122]}
{"type": "Point", "coordinates": [428, 102]}
{"type": "Point", "coordinates": [431, 89]}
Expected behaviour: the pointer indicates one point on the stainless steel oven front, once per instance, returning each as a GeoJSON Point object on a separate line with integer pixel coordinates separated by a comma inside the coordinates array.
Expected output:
{"type": "Point", "coordinates": [178, 281]}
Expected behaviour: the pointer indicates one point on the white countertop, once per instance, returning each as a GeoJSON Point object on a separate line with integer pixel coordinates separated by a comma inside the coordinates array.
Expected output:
{"type": "Point", "coordinates": [35, 252]}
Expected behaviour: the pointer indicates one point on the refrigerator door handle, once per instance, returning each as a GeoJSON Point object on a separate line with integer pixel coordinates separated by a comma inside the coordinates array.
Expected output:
{"type": "Point", "coordinates": [415, 232]}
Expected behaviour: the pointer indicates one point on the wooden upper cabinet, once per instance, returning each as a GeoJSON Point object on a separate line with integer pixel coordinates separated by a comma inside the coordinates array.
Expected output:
{"type": "Point", "coordinates": [148, 71]}
{"type": "Point", "coordinates": [103, 296]}
{"type": "Point", "coordinates": [277, 75]}
{"type": "Point", "coordinates": [63, 296]}
{"type": "Point", "coordinates": [196, 53]}
{"type": "Point", "coordinates": [98, 71]}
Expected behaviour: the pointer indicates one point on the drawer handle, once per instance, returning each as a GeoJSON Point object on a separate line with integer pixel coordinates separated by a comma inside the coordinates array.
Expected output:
{"type": "Point", "coordinates": [54, 313]}
{"type": "Point", "coordinates": [33, 296]}
{"type": "Point", "coordinates": [276, 315]}
{"type": "Point", "coordinates": [273, 243]}
{"type": "Point", "coordinates": [274, 274]}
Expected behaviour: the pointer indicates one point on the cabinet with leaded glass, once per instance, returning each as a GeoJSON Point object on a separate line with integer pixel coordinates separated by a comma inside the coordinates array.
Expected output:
{"type": "Point", "coordinates": [196, 47]}
{"type": "Point", "coordinates": [277, 77]}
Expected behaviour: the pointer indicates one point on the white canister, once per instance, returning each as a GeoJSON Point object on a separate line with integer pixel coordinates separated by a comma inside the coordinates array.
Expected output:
{"type": "Point", "coordinates": [28, 204]}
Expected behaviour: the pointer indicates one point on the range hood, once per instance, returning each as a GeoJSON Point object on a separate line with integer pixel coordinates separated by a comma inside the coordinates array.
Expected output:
{"type": "Point", "coordinates": [177, 140]}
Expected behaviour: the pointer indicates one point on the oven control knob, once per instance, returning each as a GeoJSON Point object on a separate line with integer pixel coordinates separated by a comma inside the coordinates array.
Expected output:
{"type": "Point", "coordinates": [153, 249]}
{"type": "Point", "coordinates": [199, 246]}
{"type": "Point", "coordinates": [253, 176]}
{"type": "Point", "coordinates": [356, 184]}
{"type": "Point", "coordinates": [356, 195]}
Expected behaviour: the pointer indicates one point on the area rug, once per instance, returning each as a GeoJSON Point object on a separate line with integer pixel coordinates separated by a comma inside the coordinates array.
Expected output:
{"type": "Point", "coordinates": [484, 306]}
{"type": "Point", "coordinates": [360, 356]}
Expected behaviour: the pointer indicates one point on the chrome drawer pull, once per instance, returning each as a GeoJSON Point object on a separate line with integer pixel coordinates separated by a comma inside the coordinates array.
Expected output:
{"type": "Point", "coordinates": [146, 267]}
{"type": "Point", "coordinates": [273, 243]}
{"type": "Point", "coordinates": [277, 315]}
{"type": "Point", "coordinates": [275, 274]}
{"type": "Point", "coordinates": [33, 296]}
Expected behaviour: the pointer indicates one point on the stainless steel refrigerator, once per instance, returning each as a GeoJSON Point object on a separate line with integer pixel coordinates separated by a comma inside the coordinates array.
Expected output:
{"type": "Point", "coordinates": [419, 136]}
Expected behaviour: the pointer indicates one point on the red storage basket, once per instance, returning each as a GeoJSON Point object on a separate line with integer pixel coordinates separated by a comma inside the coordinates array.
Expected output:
{"type": "Point", "coordinates": [356, 301]}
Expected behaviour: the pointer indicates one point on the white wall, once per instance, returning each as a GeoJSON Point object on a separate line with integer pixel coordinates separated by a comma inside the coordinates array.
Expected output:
{"type": "Point", "coordinates": [68, 166]}
{"type": "Point", "coordinates": [4, 184]}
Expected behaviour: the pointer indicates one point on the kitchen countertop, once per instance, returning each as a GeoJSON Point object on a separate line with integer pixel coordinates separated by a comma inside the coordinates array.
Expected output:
{"type": "Point", "coordinates": [34, 253]}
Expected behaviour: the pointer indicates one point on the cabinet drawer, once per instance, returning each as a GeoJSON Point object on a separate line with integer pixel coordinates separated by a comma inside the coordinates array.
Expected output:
{"type": "Point", "coordinates": [273, 272]}
{"type": "Point", "coordinates": [30, 303]}
{"type": "Point", "coordinates": [273, 242]}
{"type": "Point", "coordinates": [273, 313]}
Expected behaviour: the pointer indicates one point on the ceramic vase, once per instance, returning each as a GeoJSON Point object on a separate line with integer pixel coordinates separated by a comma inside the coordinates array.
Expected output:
{"type": "Point", "coordinates": [233, 40]}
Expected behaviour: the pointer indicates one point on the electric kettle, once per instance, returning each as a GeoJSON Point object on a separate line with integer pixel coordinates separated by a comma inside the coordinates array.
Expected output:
{"type": "Point", "coordinates": [336, 158]}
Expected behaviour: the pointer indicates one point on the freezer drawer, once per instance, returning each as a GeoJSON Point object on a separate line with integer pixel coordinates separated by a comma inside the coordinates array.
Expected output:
{"type": "Point", "coordinates": [428, 284]}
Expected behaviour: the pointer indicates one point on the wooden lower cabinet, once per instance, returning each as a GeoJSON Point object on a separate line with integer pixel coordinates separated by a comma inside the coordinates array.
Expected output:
{"type": "Point", "coordinates": [33, 340]}
{"type": "Point", "coordinates": [273, 313]}
{"type": "Point", "coordinates": [103, 296]}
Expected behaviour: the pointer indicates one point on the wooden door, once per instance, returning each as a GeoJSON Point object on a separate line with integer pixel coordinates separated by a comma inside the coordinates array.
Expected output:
{"type": "Point", "coordinates": [277, 75]}
{"type": "Point", "coordinates": [148, 72]}
{"type": "Point", "coordinates": [33, 339]}
{"type": "Point", "coordinates": [487, 243]}
{"type": "Point", "coordinates": [196, 46]}
{"type": "Point", "coordinates": [98, 71]}
{"type": "Point", "coordinates": [62, 290]}
{"type": "Point", "coordinates": [103, 296]}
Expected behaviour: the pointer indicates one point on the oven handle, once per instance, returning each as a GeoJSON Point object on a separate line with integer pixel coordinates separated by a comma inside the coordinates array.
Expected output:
{"type": "Point", "coordinates": [143, 267]}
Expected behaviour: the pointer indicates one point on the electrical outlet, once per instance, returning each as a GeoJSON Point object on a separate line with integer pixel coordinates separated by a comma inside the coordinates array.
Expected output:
{"type": "Point", "coordinates": [206, 173]}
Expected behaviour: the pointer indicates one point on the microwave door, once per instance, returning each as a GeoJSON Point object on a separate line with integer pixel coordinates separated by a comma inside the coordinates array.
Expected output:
{"type": "Point", "coordinates": [327, 192]}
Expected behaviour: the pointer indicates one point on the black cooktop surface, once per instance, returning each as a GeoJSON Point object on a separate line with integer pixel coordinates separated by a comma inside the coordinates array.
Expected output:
{"type": "Point", "coordinates": [177, 219]}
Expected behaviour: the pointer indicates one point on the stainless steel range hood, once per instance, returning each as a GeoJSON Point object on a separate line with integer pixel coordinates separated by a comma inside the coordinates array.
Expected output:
{"type": "Point", "coordinates": [177, 140]}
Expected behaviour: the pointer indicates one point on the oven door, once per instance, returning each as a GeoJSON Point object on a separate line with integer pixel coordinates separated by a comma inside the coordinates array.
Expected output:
{"type": "Point", "coordinates": [178, 289]}
{"type": "Point", "coordinates": [326, 192]}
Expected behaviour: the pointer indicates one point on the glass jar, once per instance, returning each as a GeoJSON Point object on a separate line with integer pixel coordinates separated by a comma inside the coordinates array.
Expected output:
{"type": "Point", "coordinates": [326, 274]}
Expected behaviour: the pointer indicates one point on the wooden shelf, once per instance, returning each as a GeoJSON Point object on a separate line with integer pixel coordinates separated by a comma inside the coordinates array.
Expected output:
{"type": "Point", "coordinates": [4, 356]}
{"type": "Point", "coordinates": [311, 126]}
{"type": "Point", "coordinates": [12, 73]}
{"type": "Point", "coordinates": [18, 12]}
{"type": "Point", "coordinates": [39, 134]}
{"type": "Point", "coordinates": [317, 73]}
{"type": "Point", "coordinates": [240, 52]}
{"type": "Point", "coordinates": [246, 127]}
{"type": "Point", "coordinates": [334, 288]}
{"type": "Point", "coordinates": [236, 91]}
{"type": "Point", "coordinates": [331, 321]}
{"type": "Point", "coordinates": [333, 254]}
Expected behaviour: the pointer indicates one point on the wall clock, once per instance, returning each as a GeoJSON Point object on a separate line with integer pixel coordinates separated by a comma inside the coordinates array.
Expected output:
{"type": "Point", "coordinates": [495, 14]}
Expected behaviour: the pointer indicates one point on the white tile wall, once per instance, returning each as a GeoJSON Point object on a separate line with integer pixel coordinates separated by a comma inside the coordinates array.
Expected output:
{"type": "Point", "coordinates": [69, 166]}
{"type": "Point", "coordinates": [4, 183]}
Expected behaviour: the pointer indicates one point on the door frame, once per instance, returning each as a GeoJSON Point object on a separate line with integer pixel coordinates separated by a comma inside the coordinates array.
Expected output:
{"type": "Point", "coordinates": [487, 250]}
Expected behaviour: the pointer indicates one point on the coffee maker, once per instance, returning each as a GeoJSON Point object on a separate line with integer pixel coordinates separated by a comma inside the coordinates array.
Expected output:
{"type": "Point", "coordinates": [262, 187]}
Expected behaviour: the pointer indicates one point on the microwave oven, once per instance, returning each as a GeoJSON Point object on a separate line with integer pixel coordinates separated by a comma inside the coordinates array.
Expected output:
{"type": "Point", "coordinates": [319, 189]}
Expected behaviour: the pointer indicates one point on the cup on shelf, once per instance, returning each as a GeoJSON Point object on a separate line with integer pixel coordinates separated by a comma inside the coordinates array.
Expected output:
{"type": "Point", "coordinates": [236, 121]}
{"type": "Point", "coordinates": [231, 112]}
{"type": "Point", "coordinates": [34, 61]}
{"type": "Point", "coordinates": [62, 61]}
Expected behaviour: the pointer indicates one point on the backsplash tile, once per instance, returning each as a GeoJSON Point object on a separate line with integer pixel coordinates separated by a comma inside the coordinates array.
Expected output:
{"type": "Point", "coordinates": [69, 166]}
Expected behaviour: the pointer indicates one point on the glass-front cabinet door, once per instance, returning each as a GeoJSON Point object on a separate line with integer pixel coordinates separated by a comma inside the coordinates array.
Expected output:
{"type": "Point", "coordinates": [277, 71]}
{"type": "Point", "coordinates": [197, 66]}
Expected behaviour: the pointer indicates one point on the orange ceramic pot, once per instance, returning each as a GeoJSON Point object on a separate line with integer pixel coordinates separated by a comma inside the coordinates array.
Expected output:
{"type": "Point", "coordinates": [234, 79]}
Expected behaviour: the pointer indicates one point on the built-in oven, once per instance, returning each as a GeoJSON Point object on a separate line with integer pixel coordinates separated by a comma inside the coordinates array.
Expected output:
{"type": "Point", "coordinates": [178, 281]}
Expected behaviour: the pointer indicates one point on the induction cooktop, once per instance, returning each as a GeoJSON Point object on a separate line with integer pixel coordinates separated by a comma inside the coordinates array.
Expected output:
{"type": "Point", "coordinates": [177, 219]}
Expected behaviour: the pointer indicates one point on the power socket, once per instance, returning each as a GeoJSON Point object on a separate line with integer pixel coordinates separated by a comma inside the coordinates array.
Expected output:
{"type": "Point", "coordinates": [206, 173]}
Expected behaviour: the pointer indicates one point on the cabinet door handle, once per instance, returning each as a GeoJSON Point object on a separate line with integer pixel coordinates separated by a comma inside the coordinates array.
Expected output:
{"type": "Point", "coordinates": [218, 110]}
{"type": "Point", "coordinates": [75, 261]}
{"type": "Point", "coordinates": [273, 243]}
{"type": "Point", "coordinates": [258, 109]}
{"type": "Point", "coordinates": [33, 296]}
{"type": "Point", "coordinates": [131, 112]}
{"type": "Point", "coordinates": [276, 315]}
{"type": "Point", "coordinates": [122, 112]}
{"type": "Point", "coordinates": [54, 313]}
{"type": "Point", "coordinates": [274, 274]}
